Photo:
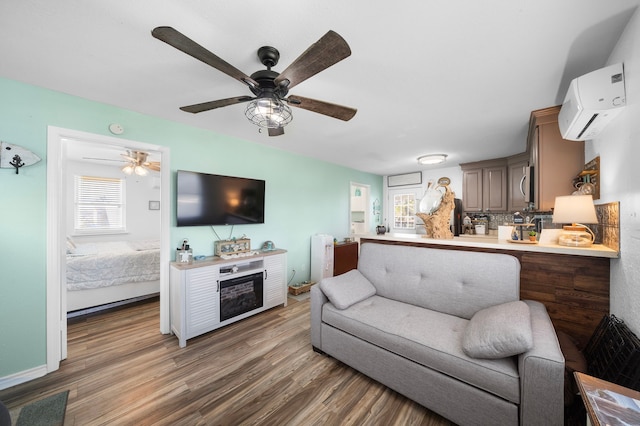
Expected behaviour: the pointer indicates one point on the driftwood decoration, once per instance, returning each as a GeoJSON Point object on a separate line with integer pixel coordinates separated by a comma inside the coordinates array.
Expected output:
{"type": "Point", "coordinates": [437, 223]}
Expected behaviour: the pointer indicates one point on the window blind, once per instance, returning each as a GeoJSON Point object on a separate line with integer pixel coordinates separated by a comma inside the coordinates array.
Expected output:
{"type": "Point", "coordinates": [99, 204]}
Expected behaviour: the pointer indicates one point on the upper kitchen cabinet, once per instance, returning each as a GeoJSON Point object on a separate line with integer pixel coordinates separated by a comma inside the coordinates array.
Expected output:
{"type": "Point", "coordinates": [484, 186]}
{"type": "Point", "coordinates": [518, 184]}
{"type": "Point", "coordinates": [556, 161]}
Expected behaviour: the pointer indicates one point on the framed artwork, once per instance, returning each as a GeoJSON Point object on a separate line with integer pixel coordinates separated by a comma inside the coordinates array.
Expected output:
{"type": "Point", "coordinates": [154, 205]}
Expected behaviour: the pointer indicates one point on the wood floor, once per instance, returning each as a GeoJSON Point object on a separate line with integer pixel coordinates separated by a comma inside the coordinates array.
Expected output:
{"type": "Point", "coordinates": [262, 370]}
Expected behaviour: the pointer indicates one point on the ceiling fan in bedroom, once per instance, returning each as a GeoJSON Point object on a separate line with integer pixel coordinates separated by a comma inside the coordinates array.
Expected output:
{"type": "Point", "coordinates": [136, 162]}
{"type": "Point", "coordinates": [269, 107]}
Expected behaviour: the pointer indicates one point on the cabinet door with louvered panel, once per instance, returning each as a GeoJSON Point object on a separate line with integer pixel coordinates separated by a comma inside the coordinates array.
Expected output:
{"type": "Point", "coordinates": [202, 295]}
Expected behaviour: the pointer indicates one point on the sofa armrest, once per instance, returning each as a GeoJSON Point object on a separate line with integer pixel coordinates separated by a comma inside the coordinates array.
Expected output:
{"type": "Point", "coordinates": [317, 300]}
{"type": "Point", "coordinates": [541, 373]}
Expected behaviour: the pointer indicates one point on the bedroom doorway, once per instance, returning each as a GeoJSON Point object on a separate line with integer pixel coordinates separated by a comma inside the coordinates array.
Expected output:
{"type": "Point", "coordinates": [63, 146]}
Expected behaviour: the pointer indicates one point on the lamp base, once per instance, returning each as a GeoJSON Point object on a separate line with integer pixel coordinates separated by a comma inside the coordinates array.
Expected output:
{"type": "Point", "coordinates": [575, 236]}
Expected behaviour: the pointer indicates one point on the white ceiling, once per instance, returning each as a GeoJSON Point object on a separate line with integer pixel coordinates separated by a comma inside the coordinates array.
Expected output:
{"type": "Point", "coordinates": [455, 77]}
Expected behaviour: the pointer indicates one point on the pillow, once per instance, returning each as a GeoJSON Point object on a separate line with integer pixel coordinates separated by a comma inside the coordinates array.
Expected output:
{"type": "Point", "coordinates": [71, 246]}
{"type": "Point", "coordinates": [499, 331]}
{"type": "Point", "coordinates": [346, 289]}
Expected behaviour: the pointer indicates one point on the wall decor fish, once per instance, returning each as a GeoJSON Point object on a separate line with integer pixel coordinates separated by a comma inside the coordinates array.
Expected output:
{"type": "Point", "coordinates": [15, 156]}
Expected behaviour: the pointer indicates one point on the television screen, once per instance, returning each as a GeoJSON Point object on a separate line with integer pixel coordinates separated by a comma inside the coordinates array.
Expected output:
{"type": "Point", "coordinates": [206, 199]}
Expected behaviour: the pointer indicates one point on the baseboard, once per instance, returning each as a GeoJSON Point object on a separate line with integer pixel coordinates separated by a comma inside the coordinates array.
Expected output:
{"type": "Point", "coordinates": [22, 377]}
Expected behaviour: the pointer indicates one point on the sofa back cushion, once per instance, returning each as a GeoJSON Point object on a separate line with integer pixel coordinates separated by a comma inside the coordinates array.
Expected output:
{"type": "Point", "coordinates": [454, 282]}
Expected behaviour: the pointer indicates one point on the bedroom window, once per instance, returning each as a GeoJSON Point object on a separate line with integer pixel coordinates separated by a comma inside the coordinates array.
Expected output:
{"type": "Point", "coordinates": [99, 205]}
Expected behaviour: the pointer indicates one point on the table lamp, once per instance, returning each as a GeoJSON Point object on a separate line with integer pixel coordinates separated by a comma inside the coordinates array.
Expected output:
{"type": "Point", "coordinates": [575, 209]}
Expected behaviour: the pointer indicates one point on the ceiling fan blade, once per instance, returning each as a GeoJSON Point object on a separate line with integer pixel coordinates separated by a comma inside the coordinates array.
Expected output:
{"type": "Point", "coordinates": [330, 49]}
{"type": "Point", "coordinates": [181, 42]}
{"type": "Point", "coordinates": [276, 132]}
{"type": "Point", "coordinates": [206, 106]}
{"type": "Point", "coordinates": [332, 110]}
{"type": "Point", "coordinates": [152, 165]}
{"type": "Point", "coordinates": [102, 159]}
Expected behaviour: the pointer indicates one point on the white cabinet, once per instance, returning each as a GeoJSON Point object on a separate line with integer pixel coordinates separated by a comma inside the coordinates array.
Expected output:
{"type": "Point", "coordinates": [196, 291]}
{"type": "Point", "coordinates": [275, 289]}
{"type": "Point", "coordinates": [202, 297]}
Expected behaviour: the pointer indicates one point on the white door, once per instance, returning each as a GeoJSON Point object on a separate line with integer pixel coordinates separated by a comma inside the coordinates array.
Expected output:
{"type": "Point", "coordinates": [402, 206]}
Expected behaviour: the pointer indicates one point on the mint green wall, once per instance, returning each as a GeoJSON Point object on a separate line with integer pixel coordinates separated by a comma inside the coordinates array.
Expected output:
{"type": "Point", "coordinates": [304, 197]}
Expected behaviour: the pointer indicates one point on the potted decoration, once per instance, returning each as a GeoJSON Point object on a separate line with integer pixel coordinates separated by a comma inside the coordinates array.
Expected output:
{"type": "Point", "coordinates": [532, 235]}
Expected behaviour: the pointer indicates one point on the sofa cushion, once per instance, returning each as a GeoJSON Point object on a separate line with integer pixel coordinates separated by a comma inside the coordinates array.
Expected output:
{"type": "Point", "coordinates": [454, 282]}
{"type": "Point", "coordinates": [346, 289]}
{"type": "Point", "coordinates": [499, 331]}
{"type": "Point", "coordinates": [427, 337]}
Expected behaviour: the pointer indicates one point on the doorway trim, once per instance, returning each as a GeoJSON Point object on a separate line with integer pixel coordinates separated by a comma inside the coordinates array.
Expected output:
{"type": "Point", "coordinates": [56, 315]}
{"type": "Point", "coordinates": [366, 194]}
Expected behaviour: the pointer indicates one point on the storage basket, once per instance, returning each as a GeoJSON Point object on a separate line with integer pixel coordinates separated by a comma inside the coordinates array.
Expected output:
{"type": "Point", "coordinates": [613, 353]}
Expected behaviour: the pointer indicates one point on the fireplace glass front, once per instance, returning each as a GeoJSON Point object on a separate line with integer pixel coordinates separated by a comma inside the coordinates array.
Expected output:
{"type": "Point", "coordinates": [240, 294]}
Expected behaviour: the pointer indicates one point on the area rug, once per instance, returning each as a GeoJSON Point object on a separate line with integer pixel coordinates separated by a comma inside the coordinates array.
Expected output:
{"type": "Point", "coordinates": [48, 411]}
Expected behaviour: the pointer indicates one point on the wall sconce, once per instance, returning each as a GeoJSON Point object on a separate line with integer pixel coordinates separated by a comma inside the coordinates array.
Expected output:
{"type": "Point", "coordinates": [575, 209]}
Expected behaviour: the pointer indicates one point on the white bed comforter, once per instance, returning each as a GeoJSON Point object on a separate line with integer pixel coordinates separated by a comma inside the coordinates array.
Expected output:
{"type": "Point", "coordinates": [107, 264]}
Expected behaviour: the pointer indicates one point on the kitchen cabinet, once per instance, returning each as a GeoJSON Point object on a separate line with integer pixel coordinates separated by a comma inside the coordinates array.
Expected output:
{"type": "Point", "coordinates": [556, 161]}
{"type": "Point", "coordinates": [517, 167]}
{"type": "Point", "coordinates": [484, 186]}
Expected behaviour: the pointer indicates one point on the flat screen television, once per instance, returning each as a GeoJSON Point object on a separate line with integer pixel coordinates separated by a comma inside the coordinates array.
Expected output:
{"type": "Point", "coordinates": [208, 199]}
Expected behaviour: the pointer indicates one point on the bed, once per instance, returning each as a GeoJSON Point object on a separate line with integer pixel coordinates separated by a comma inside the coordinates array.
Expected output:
{"type": "Point", "coordinates": [107, 272]}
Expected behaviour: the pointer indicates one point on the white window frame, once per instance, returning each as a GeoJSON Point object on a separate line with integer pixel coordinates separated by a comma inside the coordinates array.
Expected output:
{"type": "Point", "coordinates": [409, 225]}
{"type": "Point", "coordinates": [118, 201]}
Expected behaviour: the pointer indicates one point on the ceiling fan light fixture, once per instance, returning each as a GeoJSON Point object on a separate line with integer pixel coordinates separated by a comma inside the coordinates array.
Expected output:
{"type": "Point", "coordinates": [269, 113]}
{"type": "Point", "coordinates": [127, 169]}
{"type": "Point", "coordinates": [432, 159]}
{"type": "Point", "coordinates": [140, 170]}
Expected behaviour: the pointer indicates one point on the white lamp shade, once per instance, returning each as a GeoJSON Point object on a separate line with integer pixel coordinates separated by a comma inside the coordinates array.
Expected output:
{"type": "Point", "coordinates": [574, 209]}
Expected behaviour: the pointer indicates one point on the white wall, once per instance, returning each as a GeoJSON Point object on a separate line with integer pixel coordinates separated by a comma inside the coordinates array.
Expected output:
{"type": "Point", "coordinates": [453, 173]}
{"type": "Point", "coordinates": [141, 222]}
{"type": "Point", "coordinates": [619, 150]}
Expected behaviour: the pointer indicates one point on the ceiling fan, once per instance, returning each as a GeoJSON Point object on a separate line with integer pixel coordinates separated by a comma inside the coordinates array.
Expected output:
{"type": "Point", "coordinates": [269, 107]}
{"type": "Point", "coordinates": [136, 162]}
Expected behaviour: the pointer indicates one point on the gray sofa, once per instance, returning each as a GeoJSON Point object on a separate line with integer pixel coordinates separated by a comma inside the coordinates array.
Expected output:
{"type": "Point", "coordinates": [446, 329]}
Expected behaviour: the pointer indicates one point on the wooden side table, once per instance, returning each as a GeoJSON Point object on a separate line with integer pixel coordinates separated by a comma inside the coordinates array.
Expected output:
{"type": "Point", "coordinates": [608, 403]}
{"type": "Point", "coordinates": [345, 257]}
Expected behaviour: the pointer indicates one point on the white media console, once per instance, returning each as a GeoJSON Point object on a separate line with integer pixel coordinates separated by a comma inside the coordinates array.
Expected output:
{"type": "Point", "coordinates": [214, 292]}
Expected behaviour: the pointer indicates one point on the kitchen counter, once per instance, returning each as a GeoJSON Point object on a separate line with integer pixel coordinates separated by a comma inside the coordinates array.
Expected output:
{"type": "Point", "coordinates": [492, 242]}
{"type": "Point", "coordinates": [572, 282]}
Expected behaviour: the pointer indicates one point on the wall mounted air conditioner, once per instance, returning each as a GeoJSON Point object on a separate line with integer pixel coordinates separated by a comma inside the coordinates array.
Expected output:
{"type": "Point", "coordinates": [592, 102]}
